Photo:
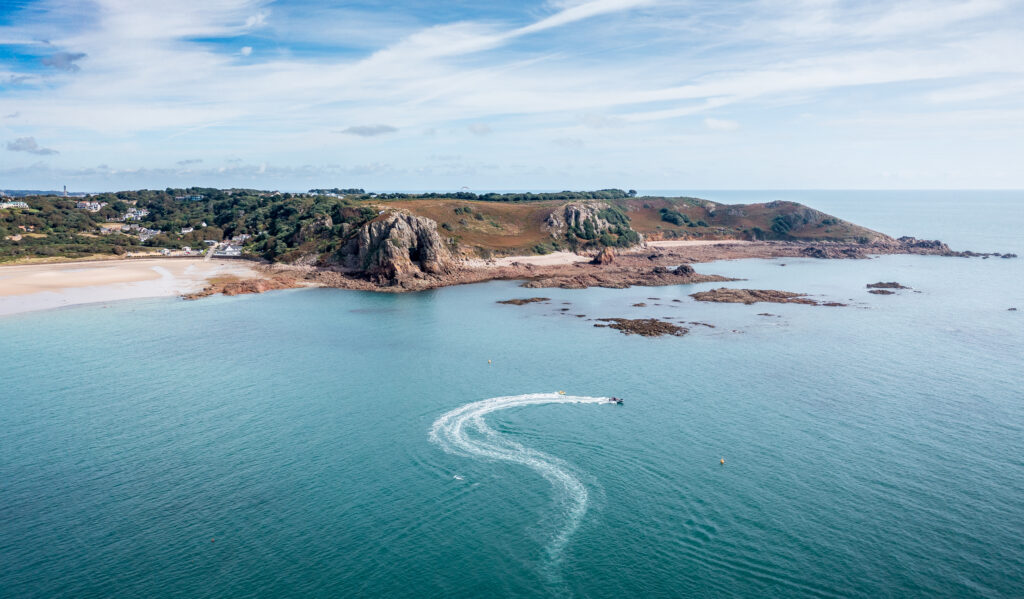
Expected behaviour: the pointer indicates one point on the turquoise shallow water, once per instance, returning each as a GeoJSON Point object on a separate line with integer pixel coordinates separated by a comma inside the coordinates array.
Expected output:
{"type": "Point", "coordinates": [873, 450]}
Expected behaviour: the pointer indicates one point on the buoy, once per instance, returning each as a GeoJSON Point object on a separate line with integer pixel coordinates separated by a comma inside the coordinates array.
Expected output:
{"type": "Point", "coordinates": [488, 361]}
{"type": "Point", "coordinates": [561, 392]}
{"type": "Point", "coordinates": [212, 540]}
{"type": "Point", "coordinates": [722, 461]}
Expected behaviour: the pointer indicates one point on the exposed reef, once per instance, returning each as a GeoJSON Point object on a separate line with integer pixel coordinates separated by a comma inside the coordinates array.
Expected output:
{"type": "Point", "coordinates": [753, 296]}
{"type": "Point", "coordinates": [528, 300]}
{"type": "Point", "coordinates": [646, 327]}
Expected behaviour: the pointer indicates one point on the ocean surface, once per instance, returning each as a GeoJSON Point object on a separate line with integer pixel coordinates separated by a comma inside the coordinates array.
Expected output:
{"type": "Point", "coordinates": [329, 443]}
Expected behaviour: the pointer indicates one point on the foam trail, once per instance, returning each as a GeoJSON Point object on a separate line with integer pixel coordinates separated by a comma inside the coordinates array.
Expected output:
{"type": "Point", "coordinates": [452, 432]}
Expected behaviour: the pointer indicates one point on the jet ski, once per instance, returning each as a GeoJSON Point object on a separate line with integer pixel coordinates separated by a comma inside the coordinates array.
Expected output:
{"type": "Point", "coordinates": [615, 400]}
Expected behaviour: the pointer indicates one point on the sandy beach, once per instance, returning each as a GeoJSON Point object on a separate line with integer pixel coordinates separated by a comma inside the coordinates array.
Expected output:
{"type": "Point", "coordinates": [552, 259]}
{"type": "Point", "coordinates": [31, 287]}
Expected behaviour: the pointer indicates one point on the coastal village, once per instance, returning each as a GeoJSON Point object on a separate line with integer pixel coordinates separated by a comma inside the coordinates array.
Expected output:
{"type": "Point", "coordinates": [128, 224]}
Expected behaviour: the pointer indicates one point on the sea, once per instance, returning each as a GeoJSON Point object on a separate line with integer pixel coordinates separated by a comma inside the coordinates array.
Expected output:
{"type": "Point", "coordinates": [333, 443]}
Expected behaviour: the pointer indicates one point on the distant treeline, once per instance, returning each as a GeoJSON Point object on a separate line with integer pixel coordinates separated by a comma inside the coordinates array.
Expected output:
{"type": "Point", "coordinates": [600, 194]}
{"type": "Point", "coordinates": [338, 191]}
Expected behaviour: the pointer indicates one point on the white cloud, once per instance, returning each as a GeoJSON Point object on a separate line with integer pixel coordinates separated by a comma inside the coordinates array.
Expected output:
{"type": "Point", "coordinates": [721, 124]}
{"type": "Point", "coordinates": [147, 89]}
{"type": "Point", "coordinates": [29, 144]}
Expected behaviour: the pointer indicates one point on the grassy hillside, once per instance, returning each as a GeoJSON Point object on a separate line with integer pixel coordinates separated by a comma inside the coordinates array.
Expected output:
{"type": "Point", "coordinates": [516, 228]}
{"type": "Point", "coordinates": [289, 227]}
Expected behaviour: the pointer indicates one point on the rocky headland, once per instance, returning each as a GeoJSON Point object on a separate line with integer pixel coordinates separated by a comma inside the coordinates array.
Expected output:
{"type": "Point", "coordinates": [619, 244]}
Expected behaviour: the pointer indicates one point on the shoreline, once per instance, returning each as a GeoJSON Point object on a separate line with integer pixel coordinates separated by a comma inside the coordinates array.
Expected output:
{"type": "Point", "coordinates": [43, 286]}
{"type": "Point", "coordinates": [47, 285]}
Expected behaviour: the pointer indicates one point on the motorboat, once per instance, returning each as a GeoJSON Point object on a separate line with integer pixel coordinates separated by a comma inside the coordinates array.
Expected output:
{"type": "Point", "coordinates": [615, 400]}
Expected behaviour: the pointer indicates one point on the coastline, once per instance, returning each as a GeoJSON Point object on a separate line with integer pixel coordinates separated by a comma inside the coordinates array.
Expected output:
{"type": "Point", "coordinates": [43, 286]}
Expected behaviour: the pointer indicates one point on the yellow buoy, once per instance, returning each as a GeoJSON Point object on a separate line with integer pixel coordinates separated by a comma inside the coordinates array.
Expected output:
{"type": "Point", "coordinates": [722, 461]}
{"type": "Point", "coordinates": [561, 392]}
{"type": "Point", "coordinates": [488, 361]}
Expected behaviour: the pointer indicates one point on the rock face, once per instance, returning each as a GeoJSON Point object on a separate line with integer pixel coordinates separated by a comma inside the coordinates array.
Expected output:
{"type": "Point", "coordinates": [579, 216]}
{"type": "Point", "coordinates": [607, 256]}
{"type": "Point", "coordinates": [398, 246]}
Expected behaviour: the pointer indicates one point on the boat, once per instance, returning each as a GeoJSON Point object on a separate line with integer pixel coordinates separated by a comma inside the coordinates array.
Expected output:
{"type": "Point", "coordinates": [561, 392]}
{"type": "Point", "coordinates": [615, 400]}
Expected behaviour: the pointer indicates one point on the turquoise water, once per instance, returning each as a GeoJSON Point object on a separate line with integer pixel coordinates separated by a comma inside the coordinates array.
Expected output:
{"type": "Point", "coordinates": [281, 444]}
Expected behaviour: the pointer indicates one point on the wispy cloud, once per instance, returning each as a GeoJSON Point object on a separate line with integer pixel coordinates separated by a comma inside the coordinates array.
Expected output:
{"type": "Point", "coordinates": [721, 124]}
{"type": "Point", "coordinates": [270, 81]}
{"type": "Point", "coordinates": [369, 130]}
{"type": "Point", "coordinates": [65, 61]}
{"type": "Point", "coordinates": [29, 144]}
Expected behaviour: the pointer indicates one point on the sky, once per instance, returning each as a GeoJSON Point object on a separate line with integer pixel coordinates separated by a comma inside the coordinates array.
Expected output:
{"type": "Point", "coordinates": [528, 95]}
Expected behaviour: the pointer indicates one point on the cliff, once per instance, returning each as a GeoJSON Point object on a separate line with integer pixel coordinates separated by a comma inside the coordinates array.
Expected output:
{"type": "Point", "coordinates": [397, 246]}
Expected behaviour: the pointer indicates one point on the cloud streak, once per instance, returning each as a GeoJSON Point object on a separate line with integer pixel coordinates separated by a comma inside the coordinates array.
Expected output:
{"type": "Point", "coordinates": [622, 78]}
{"type": "Point", "coordinates": [64, 61]}
{"type": "Point", "coordinates": [29, 144]}
{"type": "Point", "coordinates": [369, 130]}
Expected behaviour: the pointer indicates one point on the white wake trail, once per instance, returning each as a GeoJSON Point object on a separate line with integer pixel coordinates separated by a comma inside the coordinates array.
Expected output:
{"type": "Point", "coordinates": [454, 432]}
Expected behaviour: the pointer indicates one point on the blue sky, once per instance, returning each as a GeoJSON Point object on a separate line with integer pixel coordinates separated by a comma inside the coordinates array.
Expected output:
{"type": "Point", "coordinates": [556, 94]}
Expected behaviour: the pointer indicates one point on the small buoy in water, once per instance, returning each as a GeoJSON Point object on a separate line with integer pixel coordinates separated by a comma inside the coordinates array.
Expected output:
{"type": "Point", "coordinates": [722, 461]}
{"type": "Point", "coordinates": [488, 361]}
{"type": "Point", "coordinates": [561, 392]}
{"type": "Point", "coordinates": [212, 540]}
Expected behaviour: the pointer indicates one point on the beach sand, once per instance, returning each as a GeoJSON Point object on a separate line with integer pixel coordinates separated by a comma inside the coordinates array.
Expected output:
{"type": "Point", "coordinates": [552, 259]}
{"type": "Point", "coordinates": [31, 287]}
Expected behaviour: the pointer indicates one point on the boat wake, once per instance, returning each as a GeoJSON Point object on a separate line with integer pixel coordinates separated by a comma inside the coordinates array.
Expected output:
{"type": "Point", "coordinates": [463, 431]}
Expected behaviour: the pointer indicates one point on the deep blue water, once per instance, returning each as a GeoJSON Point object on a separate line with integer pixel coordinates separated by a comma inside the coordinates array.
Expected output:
{"type": "Point", "coordinates": [279, 445]}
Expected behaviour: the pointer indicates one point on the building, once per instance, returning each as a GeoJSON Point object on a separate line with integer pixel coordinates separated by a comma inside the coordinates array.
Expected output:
{"type": "Point", "coordinates": [90, 206]}
{"type": "Point", "coordinates": [193, 198]}
{"type": "Point", "coordinates": [186, 230]}
{"type": "Point", "coordinates": [136, 214]}
{"type": "Point", "coordinates": [13, 205]}
{"type": "Point", "coordinates": [231, 251]}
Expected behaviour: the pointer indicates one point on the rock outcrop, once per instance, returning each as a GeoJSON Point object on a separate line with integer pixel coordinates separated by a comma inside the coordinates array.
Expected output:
{"type": "Point", "coordinates": [606, 256]}
{"type": "Point", "coordinates": [398, 246]}
{"type": "Point", "coordinates": [579, 218]}
{"type": "Point", "coordinates": [647, 327]}
{"type": "Point", "coordinates": [236, 286]}
{"type": "Point", "coordinates": [313, 229]}
{"type": "Point", "coordinates": [527, 300]}
{"type": "Point", "coordinates": [889, 285]}
{"type": "Point", "coordinates": [753, 296]}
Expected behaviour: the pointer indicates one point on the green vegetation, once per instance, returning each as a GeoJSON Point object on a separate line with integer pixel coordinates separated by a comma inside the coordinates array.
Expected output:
{"type": "Point", "coordinates": [561, 196]}
{"type": "Point", "coordinates": [674, 216]}
{"type": "Point", "coordinates": [280, 226]}
{"type": "Point", "coordinates": [284, 227]}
